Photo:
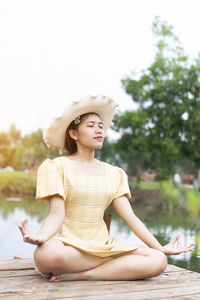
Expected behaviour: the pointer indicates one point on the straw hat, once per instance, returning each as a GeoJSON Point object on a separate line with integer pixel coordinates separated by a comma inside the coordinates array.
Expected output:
{"type": "Point", "coordinates": [104, 106]}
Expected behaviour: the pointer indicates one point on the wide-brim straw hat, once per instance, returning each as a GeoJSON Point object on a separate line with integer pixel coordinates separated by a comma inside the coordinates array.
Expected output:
{"type": "Point", "coordinates": [104, 106]}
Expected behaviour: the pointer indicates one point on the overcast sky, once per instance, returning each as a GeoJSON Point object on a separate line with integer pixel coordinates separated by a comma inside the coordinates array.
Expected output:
{"type": "Point", "coordinates": [55, 51]}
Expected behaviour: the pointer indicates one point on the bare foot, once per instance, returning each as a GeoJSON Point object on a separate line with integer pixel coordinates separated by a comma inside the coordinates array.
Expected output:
{"type": "Point", "coordinates": [68, 277]}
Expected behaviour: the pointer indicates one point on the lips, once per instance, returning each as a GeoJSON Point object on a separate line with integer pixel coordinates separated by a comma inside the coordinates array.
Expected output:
{"type": "Point", "coordinates": [99, 138]}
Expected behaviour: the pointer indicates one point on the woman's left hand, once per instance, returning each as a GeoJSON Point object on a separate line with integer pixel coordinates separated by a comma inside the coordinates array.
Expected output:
{"type": "Point", "coordinates": [174, 247]}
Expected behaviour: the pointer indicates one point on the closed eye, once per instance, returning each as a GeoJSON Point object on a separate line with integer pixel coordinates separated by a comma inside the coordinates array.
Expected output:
{"type": "Point", "coordinates": [92, 123]}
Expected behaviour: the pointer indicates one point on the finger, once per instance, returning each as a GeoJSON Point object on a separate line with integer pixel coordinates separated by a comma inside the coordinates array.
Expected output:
{"type": "Point", "coordinates": [38, 242]}
{"type": "Point", "coordinates": [23, 224]}
{"type": "Point", "coordinates": [178, 242]}
{"type": "Point", "coordinates": [30, 240]}
{"type": "Point", "coordinates": [174, 240]}
{"type": "Point", "coordinates": [21, 229]}
{"type": "Point", "coordinates": [190, 246]}
{"type": "Point", "coordinates": [26, 223]}
{"type": "Point", "coordinates": [187, 249]}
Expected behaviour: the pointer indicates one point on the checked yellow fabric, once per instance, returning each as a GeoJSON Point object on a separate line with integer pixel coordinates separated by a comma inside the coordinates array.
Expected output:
{"type": "Point", "coordinates": [86, 197]}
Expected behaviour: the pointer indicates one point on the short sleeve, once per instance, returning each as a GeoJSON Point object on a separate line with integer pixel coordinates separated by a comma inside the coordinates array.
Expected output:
{"type": "Point", "coordinates": [50, 180]}
{"type": "Point", "coordinates": [123, 187]}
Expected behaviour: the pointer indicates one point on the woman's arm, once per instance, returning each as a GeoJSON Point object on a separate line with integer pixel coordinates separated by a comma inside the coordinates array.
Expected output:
{"type": "Point", "coordinates": [50, 226]}
{"type": "Point", "coordinates": [125, 211]}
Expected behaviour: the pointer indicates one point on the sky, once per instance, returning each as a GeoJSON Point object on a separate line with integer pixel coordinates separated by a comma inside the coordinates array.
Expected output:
{"type": "Point", "coordinates": [56, 51]}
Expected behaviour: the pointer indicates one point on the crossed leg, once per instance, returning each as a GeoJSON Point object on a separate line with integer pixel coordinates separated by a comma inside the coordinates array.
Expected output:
{"type": "Point", "coordinates": [53, 257]}
{"type": "Point", "coordinates": [62, 262]}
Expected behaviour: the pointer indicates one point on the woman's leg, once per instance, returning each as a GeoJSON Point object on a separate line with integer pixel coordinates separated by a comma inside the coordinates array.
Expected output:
{"type": "Point", "coordinates": [137, 264]}
{"type": "Point", "coordinates": [53, 257]}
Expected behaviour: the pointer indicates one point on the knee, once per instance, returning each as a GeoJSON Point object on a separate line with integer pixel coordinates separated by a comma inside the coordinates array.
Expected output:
{"type": "Point", "coordinates": [159, 263]}
{"type": "Point", "coordinates": [49, 260]}
{"type": "Point", "coordinates": [57, 261]}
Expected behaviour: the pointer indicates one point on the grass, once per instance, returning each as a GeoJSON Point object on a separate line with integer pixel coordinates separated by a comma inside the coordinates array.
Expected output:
{"type": "Point", "coordinates": [170, 197]}
{"type": "Point", "coordinates": [16, 183]}
{"type": "Point", "coordinates": [145, 185]}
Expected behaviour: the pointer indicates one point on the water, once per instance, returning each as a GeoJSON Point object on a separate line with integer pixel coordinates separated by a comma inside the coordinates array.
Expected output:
{"type": "Point", "coordinates": [162, 225]}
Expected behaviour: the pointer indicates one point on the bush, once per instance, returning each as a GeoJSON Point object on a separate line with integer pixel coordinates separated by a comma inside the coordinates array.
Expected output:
{"type": "Point", "coordinates": [16, 183]}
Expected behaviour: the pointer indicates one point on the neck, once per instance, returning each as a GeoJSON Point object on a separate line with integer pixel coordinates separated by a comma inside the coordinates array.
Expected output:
{"type": "Point", "coordinates": [84, 155]}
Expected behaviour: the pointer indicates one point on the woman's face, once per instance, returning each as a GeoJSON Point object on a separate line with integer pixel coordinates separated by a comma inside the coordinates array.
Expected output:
{"type": "Point", "coordinates": [89, 133]}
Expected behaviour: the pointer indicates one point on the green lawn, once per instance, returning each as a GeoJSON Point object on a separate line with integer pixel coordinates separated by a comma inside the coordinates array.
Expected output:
{"type": "Point", "coordinates": [146, 185]}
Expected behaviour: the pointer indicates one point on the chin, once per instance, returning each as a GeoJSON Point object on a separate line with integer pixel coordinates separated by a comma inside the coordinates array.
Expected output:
{"type": "Point", "coordinates": [98, 146]}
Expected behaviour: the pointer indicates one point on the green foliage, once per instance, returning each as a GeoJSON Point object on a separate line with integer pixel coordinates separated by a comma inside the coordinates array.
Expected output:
{"type": "Point", "coordinates": [172, 196]}
{"type": "Point", "coordinates": [193, 201]}
{"type": "Point", "coordinates": [164, 131]}
{"type": "Point", "coordinates": [145, 185]}
{"type": "Point", "coordinates": [23, 152]}
{"type": "Point", "coordinates": [16, 183]}
{"type": "Point", "coordinates": [35, 149]}
{"type": "Point", "coordinates": [107, 152]}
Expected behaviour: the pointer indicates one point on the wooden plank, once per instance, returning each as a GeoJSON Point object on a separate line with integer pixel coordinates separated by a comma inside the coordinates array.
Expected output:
{"type": "Point", "coordinates": [172, 268]}
{"type": "Point", "coordinates": [174, 293]}
{"type": "Point", "coordinates": [163, 279]}
{"type": "Point", "coordinates": [187, 297]}
{"type": "Point", "coordinates": [18, 273]}
{"type": "Point", "coordinates": [19, 280]}
{"type": "Point", "coordinates": [36, 286]}
{"type": "Point", "coordinates": [17, 264]}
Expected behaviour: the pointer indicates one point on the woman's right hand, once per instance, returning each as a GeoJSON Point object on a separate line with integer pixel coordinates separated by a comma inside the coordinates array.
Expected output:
{"type": "Point", "coordinates": [28, 236]}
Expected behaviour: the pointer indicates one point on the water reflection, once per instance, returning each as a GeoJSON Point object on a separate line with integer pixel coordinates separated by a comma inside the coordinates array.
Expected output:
{"type": "Point", "coordinates": [162, 225]}
{"type": "Point", "coordinates": [11, 214]}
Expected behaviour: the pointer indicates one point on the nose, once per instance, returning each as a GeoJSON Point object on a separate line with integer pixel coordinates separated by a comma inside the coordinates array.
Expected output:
{"type": "Point", "coordinates": [99, 130]}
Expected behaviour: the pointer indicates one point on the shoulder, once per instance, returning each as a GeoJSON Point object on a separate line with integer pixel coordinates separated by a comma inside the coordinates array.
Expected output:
{"type": "Point", "coordinates": [50, 164]}
{"type": "Point", "coordinates": [60, 160]}
{"type": "Point", "coordinates": [115, 169]}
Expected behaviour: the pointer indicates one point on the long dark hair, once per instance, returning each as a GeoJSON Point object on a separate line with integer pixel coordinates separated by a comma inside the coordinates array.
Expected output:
{"type": "Point", "coordinates": [70, 144]}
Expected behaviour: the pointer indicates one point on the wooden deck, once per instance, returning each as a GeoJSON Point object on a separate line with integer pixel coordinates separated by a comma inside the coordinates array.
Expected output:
{"type": "Point", "coordinates": [19, 280]}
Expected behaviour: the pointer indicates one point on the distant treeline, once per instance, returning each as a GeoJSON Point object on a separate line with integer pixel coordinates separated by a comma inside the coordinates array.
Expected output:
{"type": "Point", "coordinates": [23, 152]}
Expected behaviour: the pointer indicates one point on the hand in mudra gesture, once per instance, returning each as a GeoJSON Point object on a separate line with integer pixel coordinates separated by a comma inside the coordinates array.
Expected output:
{"type": "Point", "coordinates": [28, 236]}
{"type": "Point", "coordinates": [174, 247]}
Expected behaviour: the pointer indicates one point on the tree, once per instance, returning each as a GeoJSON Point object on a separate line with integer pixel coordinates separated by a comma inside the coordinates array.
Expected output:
{"type": "Point", "coordinates": [107, 152]}
{"type": "Point", "coordinates": [35, 149]}
{"type": "Point", "coordinates": [14, 135]}
{"type": "Point", "coordinates": [165, 129]}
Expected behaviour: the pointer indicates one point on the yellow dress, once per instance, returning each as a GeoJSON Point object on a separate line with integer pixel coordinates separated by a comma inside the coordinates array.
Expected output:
{"type": "Point", "coordinates": [86, 197]}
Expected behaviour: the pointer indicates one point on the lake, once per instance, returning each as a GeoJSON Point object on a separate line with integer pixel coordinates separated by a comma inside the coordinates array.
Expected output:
{"type": "Point", "coordinates": [162, 225]}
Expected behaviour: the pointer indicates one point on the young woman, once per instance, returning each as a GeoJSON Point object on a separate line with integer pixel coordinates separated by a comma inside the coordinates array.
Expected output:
{"type": "Point", "coordinates": [73, 242]}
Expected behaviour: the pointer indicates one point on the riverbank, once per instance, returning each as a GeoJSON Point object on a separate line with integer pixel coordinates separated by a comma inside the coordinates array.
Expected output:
{"type": "Point", "coordinates": [17, 183]}
{"type": "Point", "coordinates": [166, 196]}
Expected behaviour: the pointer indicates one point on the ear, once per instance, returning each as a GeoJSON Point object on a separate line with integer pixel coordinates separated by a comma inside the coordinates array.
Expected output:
{"type": "Point", "coordinates": [73, 134]}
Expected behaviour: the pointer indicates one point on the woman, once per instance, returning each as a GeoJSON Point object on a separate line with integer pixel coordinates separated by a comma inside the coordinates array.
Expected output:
{"type": "Point", "coordinates": [73, 242]}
